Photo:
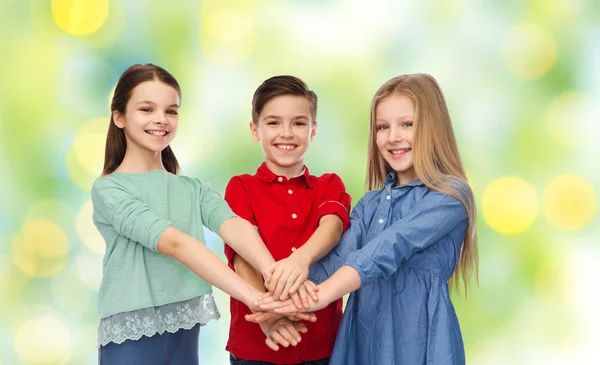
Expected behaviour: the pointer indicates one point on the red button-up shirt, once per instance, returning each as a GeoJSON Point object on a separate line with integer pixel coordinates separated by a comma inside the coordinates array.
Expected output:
{"type": "Point", "coordinates": [287, 213]}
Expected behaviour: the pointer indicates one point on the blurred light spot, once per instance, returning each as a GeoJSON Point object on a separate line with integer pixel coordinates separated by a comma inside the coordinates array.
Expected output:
{"type": "Point", "coordinates": [528, 50]}
{"type": "Point", "coordinates": [41, 249]}
{"type": "Point", "coordinates": [51, 209]}
{"type": "Point", "coordinates": [509, 205]}
{"type": "Point", "coordinates": [572, 119]}
{"type": "Point", "coordinates": [79, 17]}
{"type": "Point", "coordinates": [87, 231]}
{"type": "Point", "coordinates": [85, 158]}
{"type": "Point", "coordinates": [569, 202]}
{"type": "Point", "coordinates": [227, 32]}
{"type": "Point", "coordinates": [11, 279]}
{"type": "Point", "coordinates": [552, 282]}
{"type": "Point", "coordinates": [89, 267]}
{"type": "Point", "coordinates": [43, 340]}
{"type": "Point", "coordinates": [70, 294]}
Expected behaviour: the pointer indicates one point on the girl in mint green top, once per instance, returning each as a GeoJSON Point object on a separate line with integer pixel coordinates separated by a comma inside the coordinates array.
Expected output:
{"type": "Point", "coordinates": [157, 272]}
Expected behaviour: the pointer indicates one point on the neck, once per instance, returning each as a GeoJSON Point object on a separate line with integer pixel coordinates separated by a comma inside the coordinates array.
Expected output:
{"type": "Point", "coordinates": [287, 171]}
{"type": "Point", "coordinates": [405, 177]}
{"type": "Point", "coordinates": [137, 161]}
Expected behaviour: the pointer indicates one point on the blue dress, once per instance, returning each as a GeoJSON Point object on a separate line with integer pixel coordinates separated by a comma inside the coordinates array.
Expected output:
{"type": "Point", "coordinates": [405, 243]}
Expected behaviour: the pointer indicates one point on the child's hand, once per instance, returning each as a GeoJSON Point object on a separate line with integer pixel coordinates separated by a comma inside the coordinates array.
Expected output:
{"type": "Point", "coordinates": [269, 304]}
{"type": "Point", "coordinates": [259, 317]}
{"type": "Point", "coordinates": [282, 331]}
{"type": "Point", "coordinates": [300, 298]}
{"type": "Point", "coordinates": [287, 275]}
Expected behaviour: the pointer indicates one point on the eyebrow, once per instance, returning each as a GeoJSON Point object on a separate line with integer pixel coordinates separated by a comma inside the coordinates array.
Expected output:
{"type": "Point", "coordinates": [153, 103]}
{"type": "Point", "coordinates": [279, 117]}
{"type": "Point", "coordinates": [403, 118]}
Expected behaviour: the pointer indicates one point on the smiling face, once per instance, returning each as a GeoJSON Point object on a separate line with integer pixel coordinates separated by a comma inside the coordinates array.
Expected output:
{"type": "Point", "coordinates": [151, 117]}
{"type": "Point", "coordinates": [285, 128]}
{"type": "Point", "coordinates": [394, 119]}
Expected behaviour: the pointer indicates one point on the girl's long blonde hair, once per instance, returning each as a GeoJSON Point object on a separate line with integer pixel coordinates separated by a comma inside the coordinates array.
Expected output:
{"type": "Point", "coordinates": [435, 156]}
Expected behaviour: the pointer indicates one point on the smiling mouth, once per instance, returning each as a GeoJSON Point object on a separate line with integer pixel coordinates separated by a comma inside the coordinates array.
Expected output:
{"type": "Point", "coordinates": [399, 151]}
{"type": "Point", "coordinates": [286, 147]}
{"type": "Point", "coordinates": [156, 133]}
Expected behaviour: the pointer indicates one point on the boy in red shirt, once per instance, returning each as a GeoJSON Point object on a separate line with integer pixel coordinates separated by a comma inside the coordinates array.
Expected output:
{"type": "Point", "coordinates": [300, 217]}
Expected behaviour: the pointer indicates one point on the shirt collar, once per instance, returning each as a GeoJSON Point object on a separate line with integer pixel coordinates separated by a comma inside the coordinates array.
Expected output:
{"type": "Point", "coordinates": [390, 181]}
{"type": "Point", "coordinates": [266, 175]}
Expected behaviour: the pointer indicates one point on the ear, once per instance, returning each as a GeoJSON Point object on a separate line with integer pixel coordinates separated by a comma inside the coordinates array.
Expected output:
{"type": "Point", "coordinates": [118, 119]}
{"type": "Point", "coordinates": [254, 132]}
{"type": "Point", "coordinates": [313, 133]}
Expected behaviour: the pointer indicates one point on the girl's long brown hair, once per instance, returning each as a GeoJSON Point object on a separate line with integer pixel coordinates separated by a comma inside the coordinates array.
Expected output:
{"type": "Point", "coordinates": [436, 159]}
{"type": "Point", "coordinates": [116, 145]}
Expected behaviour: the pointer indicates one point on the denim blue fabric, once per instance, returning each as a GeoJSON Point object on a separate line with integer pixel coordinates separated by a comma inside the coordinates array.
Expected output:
{"type": "Point", "coordinates": [405, 243]}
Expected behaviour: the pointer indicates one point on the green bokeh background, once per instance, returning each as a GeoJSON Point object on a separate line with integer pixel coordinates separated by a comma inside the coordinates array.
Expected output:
{"type": "Point", "coordinates": [522, 83]}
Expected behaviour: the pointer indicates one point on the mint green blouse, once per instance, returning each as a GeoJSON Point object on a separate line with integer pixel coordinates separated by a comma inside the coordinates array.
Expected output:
{"type": "Point", "coordinates": [131, 212]}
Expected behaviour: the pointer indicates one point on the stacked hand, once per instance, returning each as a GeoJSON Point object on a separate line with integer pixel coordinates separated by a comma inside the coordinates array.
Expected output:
{"type": "Point", "coordinates": [286, 282]}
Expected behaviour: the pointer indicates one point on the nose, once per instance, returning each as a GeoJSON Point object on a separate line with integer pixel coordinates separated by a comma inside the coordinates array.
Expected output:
{"type": "Point", "coordinates": [161, 119]}
{"type": "Point", "coordinates": [287, 131]}
{"type": "Point", "coordinates": [395, 135]}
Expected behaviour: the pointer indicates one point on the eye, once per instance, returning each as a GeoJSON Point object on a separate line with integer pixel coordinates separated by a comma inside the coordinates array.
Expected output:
{"type": "Point", "coordinates": [272, 122]}
{"type": "Point", "coordinates": [172, 112]}
{"type": "Point", "coordinates": [407, 124]}
{"type": "Point", "coordinates": [146, 110]}
{"type": "Point", "coordinates": [381, 127]}
{"type": "Point", "coordinates": [300, 123]}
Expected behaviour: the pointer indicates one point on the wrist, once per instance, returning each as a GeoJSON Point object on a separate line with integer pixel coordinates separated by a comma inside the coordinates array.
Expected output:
{"type": "Point", "coordinates": [303, 255]}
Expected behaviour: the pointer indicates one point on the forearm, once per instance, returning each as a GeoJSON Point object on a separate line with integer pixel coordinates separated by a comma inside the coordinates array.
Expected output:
{"type": "Point", "coordinates": [324, 239]}
{"type": "Point", "coordinates": [203, 262]}
{"type": "Point", "coordinates": [248, 273]}
{"type": "Point", "coordinates": [344, 281]}
{"type": "Point", "coordinates": [243, 238]}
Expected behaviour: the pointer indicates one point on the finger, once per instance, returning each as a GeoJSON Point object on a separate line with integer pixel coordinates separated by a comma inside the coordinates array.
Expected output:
{"type": "Point", "coordinates": [275, 278]}
{"type": "Point", "coordinates": [298, 282]}
{"type": "Point", "coordinates": [260, 317]}
{"type": "Point", "coordinates": [288, 309]}
{"type": "Point", "coordinates": [272, 345]}
{"type": "Point", "coordinates": [311, 284]}
{"type": "Point", "coordinates": [280, 285]}
{"type": "Point", "coordinates": [312, 290]}
{"type": "Point", "coordinates": [265, 300]}
{"type": "Point", "coordinates": [276, 304]}
{"type": "Point", "coordinates": [303, 296]}
{"type": "Point", "coordinates": [297, 300]}
{"type": "Point", "coordinates": [268, 274]}
{"type": "Point", "coordinates": [286, 289]}
{"type": "Point", "coordinates": [279, 338]}
{"type": "Point", "coordinates": [285, 331]}
{"type": "Point", "coordinates": [300, 327]}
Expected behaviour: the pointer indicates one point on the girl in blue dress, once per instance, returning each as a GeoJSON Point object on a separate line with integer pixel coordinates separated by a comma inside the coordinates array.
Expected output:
{"type": "Point", "coordinates": [410, 236]}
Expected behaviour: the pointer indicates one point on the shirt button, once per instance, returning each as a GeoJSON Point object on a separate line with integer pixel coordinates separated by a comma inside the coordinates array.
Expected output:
{"type": "Point", "coordinates": [387, 197]}
{"type": "Point", "coordinates": [294, 216]}
{"type": "Point", "coordinates": [380, 221]}
{"type": "Point", "coordinates": [290, 191]}
{"type": "Point", "coordinates": [280, 179]}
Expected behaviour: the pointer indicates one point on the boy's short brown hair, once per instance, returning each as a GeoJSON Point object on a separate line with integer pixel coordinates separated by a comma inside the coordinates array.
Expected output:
{"type": "Point", "coordinates": [278, 86]}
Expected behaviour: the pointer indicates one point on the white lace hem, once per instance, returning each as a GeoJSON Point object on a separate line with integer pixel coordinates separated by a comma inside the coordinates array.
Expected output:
{"type": "Point", "coordinates": [150, 321]}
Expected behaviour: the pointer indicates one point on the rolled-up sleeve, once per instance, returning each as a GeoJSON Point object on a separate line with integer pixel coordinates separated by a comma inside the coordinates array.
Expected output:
{"type": "Point", "coordinates": [435, 216]}
{"type": "Point", "coordinates": [335, 200]}
{"type": "Point", "coordinates": [350, 241]}
{"type": "Point", "coordinates": [129, 216]}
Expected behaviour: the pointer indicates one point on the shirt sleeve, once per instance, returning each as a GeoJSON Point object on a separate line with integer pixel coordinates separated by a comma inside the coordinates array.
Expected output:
{"type": "Point", "coordinates": [350, 241]}
{"type": "Point", "coordinates": [335, 200]}
{"type": "Point", "coordinates": [129, 216]}
{"type": "Point", "coordinates": [435, 216]}
{"type": "Point", "coordinates": [214, 210]}
{"type": "Point", "coordinates": [239, 201]}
